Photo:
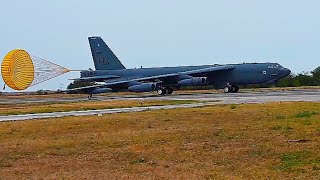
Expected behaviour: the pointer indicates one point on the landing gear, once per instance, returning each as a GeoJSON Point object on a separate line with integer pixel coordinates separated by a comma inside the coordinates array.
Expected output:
{"type": "Point", "coordinates": [227, 89]}
{"type": "Point", "coordinates": [89, 96]}
{"type": "Point", "coordinates": [164, 91]}
{"type": "Point", "coordinates": [231, 89]}
{"type": "Point", "coordinates": [236, 89]}
{"type": "Point", "coordinates": [170, 90]}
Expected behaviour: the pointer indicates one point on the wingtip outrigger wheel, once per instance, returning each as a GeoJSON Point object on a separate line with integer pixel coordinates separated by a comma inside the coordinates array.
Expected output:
{"type": "Point", "coordinates": [89, 96]}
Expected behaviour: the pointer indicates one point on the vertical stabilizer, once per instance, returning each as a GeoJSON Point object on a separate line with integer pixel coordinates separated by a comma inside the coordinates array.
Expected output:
{"type": "Point", "coordinates": [103, 57]}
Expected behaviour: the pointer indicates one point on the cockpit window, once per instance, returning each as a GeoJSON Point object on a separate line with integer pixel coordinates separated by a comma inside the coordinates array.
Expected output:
{"type": "Point", "coordinates": [274, 66]}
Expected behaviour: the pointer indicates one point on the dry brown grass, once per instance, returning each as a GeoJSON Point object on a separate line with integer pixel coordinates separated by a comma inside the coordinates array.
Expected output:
{"type": "Point", "coordinates": [215, 142]}
{"type": "Point", "coordinates": [26, 96]}
{"type": "Point", "coordinates": [65, 95]}
{"type": "Point", "coordinates": [12, 109]}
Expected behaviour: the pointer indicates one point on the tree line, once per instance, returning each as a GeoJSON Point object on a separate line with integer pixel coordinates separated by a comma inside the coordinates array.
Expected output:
{"type": "Point", "coordinates": [301, 79]}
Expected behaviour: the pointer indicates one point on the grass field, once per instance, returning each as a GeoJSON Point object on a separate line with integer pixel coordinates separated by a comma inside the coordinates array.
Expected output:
{"type": "Point", "coordinates": [27, 108]}
{"type": "Point", "coordinates": [262, 141]}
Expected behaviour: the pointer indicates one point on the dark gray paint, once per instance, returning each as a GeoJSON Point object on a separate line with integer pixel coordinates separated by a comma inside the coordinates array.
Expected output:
{"type": "Point", "coordinates": [108, 65]}
{"type": "Point", "coordinates": [242, 74]}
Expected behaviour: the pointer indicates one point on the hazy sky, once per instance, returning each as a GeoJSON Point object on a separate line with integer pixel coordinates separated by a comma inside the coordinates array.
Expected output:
{"type": "Point", "coordinates": [164, 32]}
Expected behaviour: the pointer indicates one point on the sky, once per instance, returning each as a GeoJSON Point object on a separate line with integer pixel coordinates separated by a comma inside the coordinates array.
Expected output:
{"type": "Point", "coordinates": [163, 32]}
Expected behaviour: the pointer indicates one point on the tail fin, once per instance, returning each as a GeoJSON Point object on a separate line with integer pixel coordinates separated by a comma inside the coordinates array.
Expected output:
{"type": "Point", "coordinates": [103, 57]}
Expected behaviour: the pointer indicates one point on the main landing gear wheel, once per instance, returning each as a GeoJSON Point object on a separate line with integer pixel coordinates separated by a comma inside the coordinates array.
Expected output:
{"type": "Point", "coordinates": [236, 89]}
{"type": "Point", "coordinates": [227, 89]}
{"type": "Point", "coordinates": [164, 91]}
{"type": "Point", "coordinates": [231, 89]}
{"type": "Point", "coordinates": [161, 91]}
{"type": "Point", "coordinates": [170, 90]}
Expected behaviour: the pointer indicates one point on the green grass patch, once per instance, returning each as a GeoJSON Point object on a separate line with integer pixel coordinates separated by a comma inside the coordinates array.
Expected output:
{"type": "Point", "coordinates": [306, 114]}
{"type": "Point", "coordinates": [307, 122]}
{"type": "Point", "coordinates": [276, 127]}
{"type": "Point", "coordinates": [139, 161]}
{"type": "Point", "coordinates": [296, 161]}
{"type": "Point", "coordinates": [280, 117]}
{"type": "Point", "coordinates": [288, 128]}
{"type": "Point", "coordinates": [293, 160]}
{"type": "Point", "coordinates": [316, 168]}
{"type": "Point", "coordinates": [233, 106]}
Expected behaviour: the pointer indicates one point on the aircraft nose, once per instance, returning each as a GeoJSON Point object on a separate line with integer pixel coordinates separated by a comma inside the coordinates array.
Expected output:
{"type": "Point", "coordinates": [285, 72]}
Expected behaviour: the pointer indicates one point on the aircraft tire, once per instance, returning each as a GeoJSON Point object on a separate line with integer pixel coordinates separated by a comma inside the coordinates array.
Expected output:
{"type": "Point", "coordinates": [233, 89]}
{"type": "Point", "coordinates": [227, 89]}
{"type": "Point", "coordinates": [236, 89]}
{"type": "Point", "coordinates": [162, 91]}
{"type": "Point", "coordinates": [89, 96]}
{"type": "Point", "coordinates": [169, 90]}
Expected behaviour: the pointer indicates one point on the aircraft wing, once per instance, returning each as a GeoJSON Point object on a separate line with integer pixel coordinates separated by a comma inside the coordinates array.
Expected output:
{"type": "Point", "coordinates": [86, 87]}
{"type": "Point", "coordinates": [204, 72]}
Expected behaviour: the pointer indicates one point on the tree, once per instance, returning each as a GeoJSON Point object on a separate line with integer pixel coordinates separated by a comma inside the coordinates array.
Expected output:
{"type": "Point", "coordinates": [304, 79]}
{"type": "Point", "coordinates": [286, 82]}
{"type": "Point", "coordinates": [301, 79]}
{"type": "Point", "coordinates": [316, 76]}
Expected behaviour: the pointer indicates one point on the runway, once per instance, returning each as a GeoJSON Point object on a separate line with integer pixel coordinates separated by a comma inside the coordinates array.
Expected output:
{"type": "Point", "coordinates": [206, 98]}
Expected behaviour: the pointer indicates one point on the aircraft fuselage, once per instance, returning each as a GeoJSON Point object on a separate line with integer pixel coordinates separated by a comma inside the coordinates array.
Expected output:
{"type": "Point", "coordinates": [242, 74]}
{"type": "Point", "coordinates": [164, 80]}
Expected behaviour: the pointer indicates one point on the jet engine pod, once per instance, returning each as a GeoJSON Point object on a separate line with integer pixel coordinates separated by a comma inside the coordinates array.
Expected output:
{"type": "Point", "coordinates": [17, 69]}
{"type": "Point", "coordinates": [195, 81]}
{"type": "Point", "coordinates": [144, 87]}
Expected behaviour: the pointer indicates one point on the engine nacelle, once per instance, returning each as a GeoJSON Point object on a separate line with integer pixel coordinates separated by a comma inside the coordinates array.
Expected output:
{"type": "Point", "coordinates": [195, 81]}
{"type": "Point", "coordinates": [144, 87]}
{"type": "Point", "coordinates": [99, 90]}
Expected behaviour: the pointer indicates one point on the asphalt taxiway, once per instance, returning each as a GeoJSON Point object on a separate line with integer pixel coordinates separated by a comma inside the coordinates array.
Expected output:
{"type": "Point", "coordinates": [207, 98]}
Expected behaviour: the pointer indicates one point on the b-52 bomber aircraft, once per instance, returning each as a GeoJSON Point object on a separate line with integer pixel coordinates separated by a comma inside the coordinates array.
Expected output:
{"type": "Point", "coordinates": [114, 76]}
